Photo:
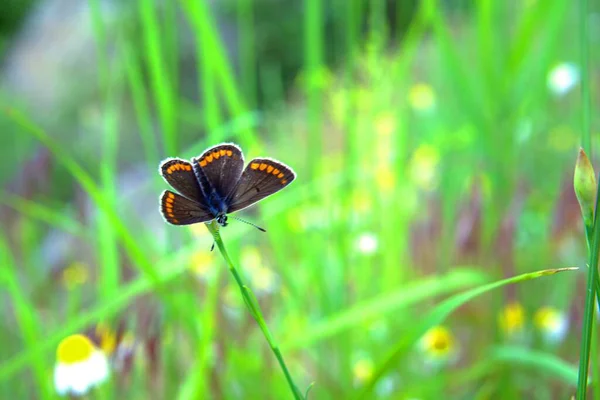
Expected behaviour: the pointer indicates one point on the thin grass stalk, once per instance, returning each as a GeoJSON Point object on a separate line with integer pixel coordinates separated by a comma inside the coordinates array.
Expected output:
{"type": "Point", "coordinates": [313, 59]}
{"type": "Point", "coordinates": [161, 84]}
{"type": "Point", "coordinates": [586, 100]}
{"type": "Point", "coordinates": [254, 308]}
{"type": "Point", "coordinates": [592, 233]}
{"type": "Point", "coordinates": [588, 321]}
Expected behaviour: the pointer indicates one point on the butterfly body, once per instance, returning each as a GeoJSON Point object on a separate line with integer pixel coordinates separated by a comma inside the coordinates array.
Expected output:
{"type": "Point", "coordinates": [216, 183]}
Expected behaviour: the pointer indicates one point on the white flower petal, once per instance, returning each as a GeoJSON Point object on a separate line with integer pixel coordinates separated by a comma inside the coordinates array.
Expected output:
{"type": "Point", "coordinates": [563, 78]}
{"type": "Point", "coordinates": [78, 378]}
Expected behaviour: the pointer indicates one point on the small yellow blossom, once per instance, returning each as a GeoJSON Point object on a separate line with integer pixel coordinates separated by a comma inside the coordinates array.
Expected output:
{"type": "Point", "coordinates": [512, 319]}
{"type": "Point", "coordinates": [552, 323]}
{"type": "Point", "coordinates": [385, 123]}
{"type": "Point", "coordinates": [264, 280]}
{"type": "Point", "coordinates": [385, 178]}
{"type": "Point", "coordinates": [79, 366]}
{"type": "Point", "coordinates": [250, 258]}
{"type": "Point", "coordinates": [362, 370]}
{"type": "Point", "coordinates": [107, 338]}
{"type": "Point", "coordinates": [75, 275]}
{"type": "Point", "coordinates": [438, 344]}
{"type": "Point", "coordinates": [202, 262]}
{"type": "Point", "coordinates": [423, 167]}
{"type": "Point", "coordinates": [421, 97]}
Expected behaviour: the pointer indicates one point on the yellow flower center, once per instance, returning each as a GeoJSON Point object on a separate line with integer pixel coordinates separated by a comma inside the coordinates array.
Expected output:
{"type": "Point", "coordinates": [421, 97]}
{"type": "Point", "coordinates": [547, 319]}
{"type": "Point", "coordinates": [363, 370]}
{"type": "Point", "coordinates": [74, 349]}
{"type": "Point", "coordinates": [512, 318]}
{"type": "Point", "coordinates": [438, 341]}
{"type": "Point", "coordinates": [75, 275]}
{"type": "Point", "coordinates": [108, 338]}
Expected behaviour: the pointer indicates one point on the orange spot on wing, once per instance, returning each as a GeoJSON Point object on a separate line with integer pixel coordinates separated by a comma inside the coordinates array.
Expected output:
{"type": "Point", "coordinates": [263, 166]}
{"type": "Point", "coordinates": [209, 158]}
{"type": "Point", "coordinates": [223, 152]}
{"type": "Point", "coordinates": [275, 171]}
{"type": "Point", "coordinates": [269, 169]}
{"type": "Point", "coordinates": [229, 153]}
{"type": "Point", "coordinates": [254, 165]}
{"type": "Point", "coordinates": [170, 195]}
{"type": "Point", "coordinates": [283, 181]}
{"type": "Point", "coordinates": [188, 167]}
{"type": "Point", "coordinates": [203, 163]}
{"type": "Point", "coordinates": [216, 155]}
{"type": "Point", "coordinates": [175, 220]}
{"type": "Point", "coordinates": [280, 175]}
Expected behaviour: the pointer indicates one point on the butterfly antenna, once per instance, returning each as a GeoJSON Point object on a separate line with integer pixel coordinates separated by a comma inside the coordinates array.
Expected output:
{"type": "Point", "coordinates": [249, 223]}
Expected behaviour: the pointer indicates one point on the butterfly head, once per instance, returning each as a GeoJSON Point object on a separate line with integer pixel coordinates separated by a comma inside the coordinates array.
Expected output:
{"type": "Point", "coordinates": [222, 219]}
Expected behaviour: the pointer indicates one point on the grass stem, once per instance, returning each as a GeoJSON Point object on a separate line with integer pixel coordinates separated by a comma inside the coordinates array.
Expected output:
{"type": "Point", "coordinates": [254, 308]}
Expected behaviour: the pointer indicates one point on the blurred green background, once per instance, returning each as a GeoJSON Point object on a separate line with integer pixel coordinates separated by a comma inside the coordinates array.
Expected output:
{"type": "Point", "coordinates": [434, 143]}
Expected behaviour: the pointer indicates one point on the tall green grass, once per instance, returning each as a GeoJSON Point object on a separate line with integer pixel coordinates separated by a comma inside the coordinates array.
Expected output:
{"type": "Point", "coordinates": [350, 128]}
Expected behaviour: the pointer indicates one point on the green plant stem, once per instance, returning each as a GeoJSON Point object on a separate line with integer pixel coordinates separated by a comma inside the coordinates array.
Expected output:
{"type": "Point", "coordinates": [593, 237]}
{"type": "Point", "coordinates": [254, 308]}
{"type": "Point", "coordinates": [592, 232]}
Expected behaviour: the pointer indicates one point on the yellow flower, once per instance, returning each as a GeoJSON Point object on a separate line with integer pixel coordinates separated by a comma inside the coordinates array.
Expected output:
{"type": "Point", "coordinates": [421, 97]}
{"type": "Point", "coordinates": [75, 275]}
{"type": "Point", "coordinates": [423, 167]}
{"type": "Point", "coordinates": [362, 370]}
{"type": "Point", "coordinates": [250, 258]}
{"type": "Point", "coordinates": [512, 319]}
{"type": "Point", "coordinates": [107, 338]}
{"type": "Point", "coordinates": [385, 123]}
{"type": "Point", "coordinates": [79, 366]}
{"type": "Point", "coordinates": [439, 344]}
{"type": "Point", "coordinates": [201, 263]}
{"type": "Point", "coordinates": [264, 280]}
{"type": "Point", "coordinates": [552, 323]}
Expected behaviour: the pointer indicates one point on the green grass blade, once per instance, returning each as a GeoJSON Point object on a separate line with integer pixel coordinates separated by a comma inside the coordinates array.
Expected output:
{"type": "Point", "coordinates": [537, 360]}
{"type": "Point", "coordinates": [160, 79]}
{"type": "Point", "coordinates": [403, 297]}
{"type": "Point", "coordinates": [28, 323]}
{"type": "Point", "coordinates": [439, 314]}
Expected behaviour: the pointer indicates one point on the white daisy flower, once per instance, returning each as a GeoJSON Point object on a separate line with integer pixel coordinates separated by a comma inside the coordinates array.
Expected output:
{"type": "Point", "coordinates": [439, 346]}
{"type": "Point", "coordinates": [367, 243]}
{"type": "Point", "coordinates": [80, 365]}
{"type": "Point", "coordinates": [562, 78]}
{"type": "Point", "coordinates": [552, 323]}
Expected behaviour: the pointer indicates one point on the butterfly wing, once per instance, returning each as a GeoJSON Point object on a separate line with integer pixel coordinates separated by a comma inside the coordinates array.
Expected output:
{"type": "Point", "coordinates": [180, 175]}
{"type": "Point", "coordinates": [261, 178]}
{"type": "Point", "coordinates": [178, 210]}
{"type": "Point", "coordinates": [219, 168]}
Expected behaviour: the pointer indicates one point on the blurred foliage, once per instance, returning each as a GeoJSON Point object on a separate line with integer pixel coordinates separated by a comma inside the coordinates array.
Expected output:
{"type": "Point", "coordinates": [434, 144]}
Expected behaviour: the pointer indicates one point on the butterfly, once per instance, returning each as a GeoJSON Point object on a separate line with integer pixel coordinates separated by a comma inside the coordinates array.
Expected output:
{"type": "Point", "coordinates": [216, 183]}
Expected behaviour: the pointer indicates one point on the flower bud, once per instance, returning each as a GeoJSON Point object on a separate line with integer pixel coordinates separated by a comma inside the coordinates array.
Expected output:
{"type": "Point", "coordinates": [584, 183]}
